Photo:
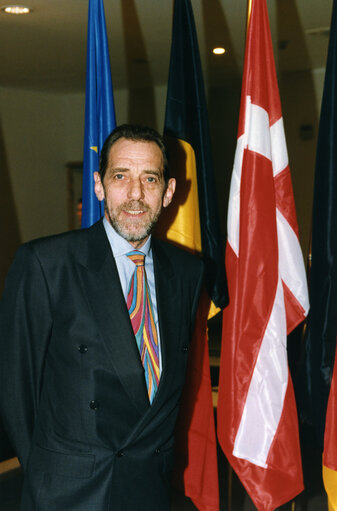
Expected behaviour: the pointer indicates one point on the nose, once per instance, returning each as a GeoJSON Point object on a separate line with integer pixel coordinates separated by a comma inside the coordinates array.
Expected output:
{"type": "Point", "coordinates": [135, 191]}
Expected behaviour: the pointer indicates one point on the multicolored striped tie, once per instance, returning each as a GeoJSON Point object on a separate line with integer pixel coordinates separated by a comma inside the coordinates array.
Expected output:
{"type": "Point", "coordinates": [141, 315]}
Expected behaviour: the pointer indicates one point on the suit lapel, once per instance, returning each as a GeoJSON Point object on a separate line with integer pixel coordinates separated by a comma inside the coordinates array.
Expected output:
{"type": "Point", "coordinates": [105, 294]}
{"type": "Point", "coordinates": [168, 306]}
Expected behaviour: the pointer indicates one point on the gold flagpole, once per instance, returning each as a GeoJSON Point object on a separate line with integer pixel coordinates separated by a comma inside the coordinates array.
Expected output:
{"type": "Point", "coordinates": [249, 10]}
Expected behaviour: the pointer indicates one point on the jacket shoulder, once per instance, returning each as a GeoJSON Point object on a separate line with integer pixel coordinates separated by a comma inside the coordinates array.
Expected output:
{"type": "Point", "coordinates": [61, 245]}
{"type": "Point", "coordinates": [63, 239]}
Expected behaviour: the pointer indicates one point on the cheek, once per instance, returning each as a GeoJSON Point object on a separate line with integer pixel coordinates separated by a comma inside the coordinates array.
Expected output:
{"type": "Point", "coordinates": [114, 197]}
{"type": "Point", "coordinates": [155, 201]}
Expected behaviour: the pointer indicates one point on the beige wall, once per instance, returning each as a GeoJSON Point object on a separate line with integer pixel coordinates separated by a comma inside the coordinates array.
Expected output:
{"type": "Point", "coordinates": [33, 141]}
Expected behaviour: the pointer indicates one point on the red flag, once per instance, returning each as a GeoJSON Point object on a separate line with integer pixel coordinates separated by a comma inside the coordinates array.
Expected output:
{"type": "Point", "coordinates": [257, 419]}
{"type": "Point", "coordinates": [196, 468]}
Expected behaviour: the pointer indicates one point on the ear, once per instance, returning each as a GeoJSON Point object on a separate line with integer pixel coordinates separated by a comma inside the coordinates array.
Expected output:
{"type": "Point", "coordinates": [169, 192]}
{"type": "Point", "coordinates": [99, 190]}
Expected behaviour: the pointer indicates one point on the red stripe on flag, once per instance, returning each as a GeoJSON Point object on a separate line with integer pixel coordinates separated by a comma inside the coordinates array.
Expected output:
{"type": "Point", "coordinates": [258, 254]}
{"type": "Point", "coordinates": [285, 198]}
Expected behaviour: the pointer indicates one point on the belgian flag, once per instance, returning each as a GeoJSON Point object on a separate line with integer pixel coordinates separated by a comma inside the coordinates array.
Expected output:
{"type": "Point", "coordinates": [192, 222]}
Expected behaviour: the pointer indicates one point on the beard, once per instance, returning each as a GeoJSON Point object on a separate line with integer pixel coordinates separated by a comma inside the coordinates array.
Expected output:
{"type": "Point", "coordinates": [132, 229]}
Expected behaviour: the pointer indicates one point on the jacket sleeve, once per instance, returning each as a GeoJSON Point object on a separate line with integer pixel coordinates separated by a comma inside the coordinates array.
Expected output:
{"type": "Point", "coordinates": [25, 326]}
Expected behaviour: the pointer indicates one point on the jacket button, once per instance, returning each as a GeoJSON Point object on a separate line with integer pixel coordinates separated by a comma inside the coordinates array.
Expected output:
{"type": "Point", "coordinates": [185, 349]}
{"type": "Point", "coordinates": [82, 348]}
{"type": "Point", "coordinates": [94, 405]}
{"type": "Point", "coordinates": [120, 454]}
{"type": "Point", "coordinates": [157, 451]}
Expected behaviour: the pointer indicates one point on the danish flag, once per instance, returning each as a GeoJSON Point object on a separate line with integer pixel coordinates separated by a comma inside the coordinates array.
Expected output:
{"type": "Point", "coordinates": [257, 419]}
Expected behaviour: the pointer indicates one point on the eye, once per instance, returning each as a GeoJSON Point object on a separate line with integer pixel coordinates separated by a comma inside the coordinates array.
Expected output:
{"type": "Point", "coordinates": [118, 177]}
{"type": "Point", "coordinates": [151, 179]}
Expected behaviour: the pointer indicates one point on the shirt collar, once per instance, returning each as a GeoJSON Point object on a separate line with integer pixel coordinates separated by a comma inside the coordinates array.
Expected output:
{"type": "Point", "coordinates": [119, 245]}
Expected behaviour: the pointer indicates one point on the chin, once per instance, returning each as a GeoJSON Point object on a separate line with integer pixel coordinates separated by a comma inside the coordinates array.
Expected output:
{"type": "Point", "coordinates": [131, 231]}
{"type": "Point", "coordinates": [134, 234]}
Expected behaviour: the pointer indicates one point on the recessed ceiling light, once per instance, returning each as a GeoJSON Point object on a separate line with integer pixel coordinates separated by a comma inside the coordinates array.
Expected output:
{"type": "Point", "coordinates": [219, 51]}
{"type": "Point", "coordinates": [16, 9]}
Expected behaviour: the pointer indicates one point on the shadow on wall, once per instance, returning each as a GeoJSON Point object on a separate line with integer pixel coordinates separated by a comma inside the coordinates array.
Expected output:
{"type": "Point", "coordinates": [10, 240]}
{"type": "Point", "coordinates": [9, 226]}
{"type": "Point", "coordinates": [224, 91]}
{"type": "Point", "coordinates": [141, 108]}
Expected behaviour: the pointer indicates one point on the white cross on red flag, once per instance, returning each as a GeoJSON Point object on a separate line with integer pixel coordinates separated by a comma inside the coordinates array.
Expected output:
{"type": "Point", "coordinates": [257, 419]}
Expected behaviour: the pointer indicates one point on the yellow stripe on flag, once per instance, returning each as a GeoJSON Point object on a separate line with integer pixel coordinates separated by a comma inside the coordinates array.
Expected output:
{"type": "Point", "coordinates": [184, 228]}
{"type": "Point", "coordinates": [330, 484]}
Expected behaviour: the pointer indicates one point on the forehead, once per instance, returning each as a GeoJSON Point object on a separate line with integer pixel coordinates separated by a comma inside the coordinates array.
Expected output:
{"type": "Point", "coordinates": [126, 153]}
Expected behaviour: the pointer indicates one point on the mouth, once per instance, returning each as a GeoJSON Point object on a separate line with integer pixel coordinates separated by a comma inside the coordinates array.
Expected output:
{"type": "Point", "coordinates": [134, 212]}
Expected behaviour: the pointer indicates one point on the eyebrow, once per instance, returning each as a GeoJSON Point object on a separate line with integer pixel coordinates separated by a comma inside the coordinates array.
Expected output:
{"type": "Point", "coordinates": [155, 172]}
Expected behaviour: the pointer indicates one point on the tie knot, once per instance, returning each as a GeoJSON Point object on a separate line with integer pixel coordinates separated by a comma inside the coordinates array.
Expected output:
{"type": "Point", "coordinates": [136, 257]}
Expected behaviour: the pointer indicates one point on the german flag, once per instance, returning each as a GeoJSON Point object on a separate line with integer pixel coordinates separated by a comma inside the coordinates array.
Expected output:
{"type": "Point", "coordinates": [192, 222]}
{"type": "Point", "coordinates": [318, 398]}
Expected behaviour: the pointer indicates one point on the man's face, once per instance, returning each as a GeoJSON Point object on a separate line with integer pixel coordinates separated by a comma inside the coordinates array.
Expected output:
{"type": "Point", "coordinates": [134, 189]}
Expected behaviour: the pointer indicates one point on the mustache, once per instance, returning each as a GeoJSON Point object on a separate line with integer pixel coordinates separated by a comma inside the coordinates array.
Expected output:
{"type": "Point", "coordinates": [134, 206]}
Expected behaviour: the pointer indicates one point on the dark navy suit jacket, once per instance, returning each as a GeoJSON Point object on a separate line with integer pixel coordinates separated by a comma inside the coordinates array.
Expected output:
{"type": "Point", "coordinates": [73, 397]}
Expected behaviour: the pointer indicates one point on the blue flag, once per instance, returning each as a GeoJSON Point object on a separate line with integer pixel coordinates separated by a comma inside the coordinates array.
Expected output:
{"type": "Point", "coordinates": [99, 109]}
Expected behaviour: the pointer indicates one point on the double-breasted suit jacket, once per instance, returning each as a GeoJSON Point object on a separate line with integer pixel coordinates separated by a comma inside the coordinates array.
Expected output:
{"type": "Point", "coordinates": [73, 395]}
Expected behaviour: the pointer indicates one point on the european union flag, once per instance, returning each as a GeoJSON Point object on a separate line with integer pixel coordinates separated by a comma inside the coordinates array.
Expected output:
{"type": "Point", "coordinates": [99, 109]}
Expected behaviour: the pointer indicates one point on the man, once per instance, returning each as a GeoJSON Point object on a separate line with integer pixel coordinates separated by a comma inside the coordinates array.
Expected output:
{"type": "Point", "coordinates": [91, 419]}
